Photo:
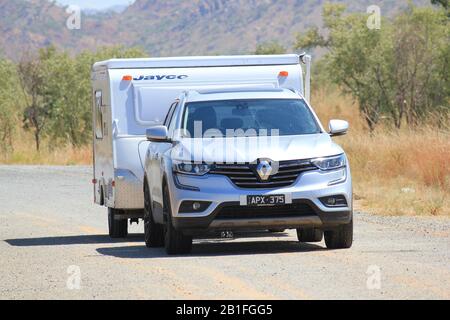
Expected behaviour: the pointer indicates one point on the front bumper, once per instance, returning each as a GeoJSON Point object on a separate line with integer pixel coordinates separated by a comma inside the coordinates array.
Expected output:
{"type": "Point", "coordinates": [317, 219]}
{"type": "Point", "coordinates": [223, 194]}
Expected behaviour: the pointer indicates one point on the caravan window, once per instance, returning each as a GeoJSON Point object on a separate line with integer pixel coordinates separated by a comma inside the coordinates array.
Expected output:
{"type": "Point", "coordinates": [152, 104]}
{"type": "Point", "coordinates": [98, 115]}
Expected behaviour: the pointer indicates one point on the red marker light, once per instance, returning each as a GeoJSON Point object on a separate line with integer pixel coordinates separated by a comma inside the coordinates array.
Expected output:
{"type": "Point", "coordinates": [127, 78]}
{"type": "Point", "coordinates": [283, 74]}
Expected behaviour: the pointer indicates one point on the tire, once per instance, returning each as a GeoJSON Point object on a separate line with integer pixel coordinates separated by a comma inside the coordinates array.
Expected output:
{"type": "Point", "coordinates": [154, 233]}
{"type": "Point", "coordinates": [117, 228]}
{"type": "Point", "coordinates": [175, 241]}
{"type": "Point", "coordinates": [309, 235]}
{"type": "Point", "coordinates": [340, 238]}
{"type": "Point", "coordinates": [277, 230]}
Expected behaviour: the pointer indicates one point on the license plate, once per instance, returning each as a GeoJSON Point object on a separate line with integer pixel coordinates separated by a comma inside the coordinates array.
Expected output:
{"type": "Point", "coordinates": [269, 200]}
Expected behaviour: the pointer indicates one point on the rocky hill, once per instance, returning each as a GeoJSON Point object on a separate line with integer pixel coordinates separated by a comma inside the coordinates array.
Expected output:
{"type": "Point", "coordinates": [168, 27]}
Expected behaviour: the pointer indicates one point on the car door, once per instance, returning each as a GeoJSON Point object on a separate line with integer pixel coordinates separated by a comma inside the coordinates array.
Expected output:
{"type": "Point", "coordinates": [155, 158]}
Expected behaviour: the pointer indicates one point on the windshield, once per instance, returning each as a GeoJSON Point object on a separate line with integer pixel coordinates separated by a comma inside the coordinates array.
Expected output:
{"type": "Point", "coordinates": [283, 117]}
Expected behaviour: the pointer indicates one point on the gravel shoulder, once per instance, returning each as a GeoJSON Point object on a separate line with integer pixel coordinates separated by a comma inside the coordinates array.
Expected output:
{"type": "Point", "coordinates": [52, 235]}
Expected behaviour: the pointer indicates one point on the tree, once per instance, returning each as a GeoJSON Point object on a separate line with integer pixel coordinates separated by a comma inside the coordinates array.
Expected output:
{"type": "Point", "coordinates": [270, 48]}
{"type": "Point", "coordinates": [10, 103]}
{"type": "Point", "coordinates": [398, 72]}
{"type": "Point", "coordinates": [34, 74]}
{"type": "Point", "coordinates": [72, 83]}
{"type": "Point", "coordinates": [443, 3]}
{"type": "Point", "coordinates": [353, 57]}
{"type": "Point", "coordinates": [58, 94]}
{"type": "Point", "coordinates": [420, 63]}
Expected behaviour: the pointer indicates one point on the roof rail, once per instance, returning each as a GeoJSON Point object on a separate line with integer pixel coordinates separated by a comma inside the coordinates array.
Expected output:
{"type": "Point", "coordinates": [238, 89]}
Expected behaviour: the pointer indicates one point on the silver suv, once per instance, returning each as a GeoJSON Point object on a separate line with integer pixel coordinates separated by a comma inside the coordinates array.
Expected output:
{"type": "Point", "coordinates": [245, 159]}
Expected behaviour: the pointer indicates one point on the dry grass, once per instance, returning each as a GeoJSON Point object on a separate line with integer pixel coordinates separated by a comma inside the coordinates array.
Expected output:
{"type": "Point", "coordinates": [395, 172]}
{"type": "Point", "coordinates": [403, 173]}
{"type": "Point", "coordinates": [25, 153]}
{"type": "Point", "coordinates": [65, 156]}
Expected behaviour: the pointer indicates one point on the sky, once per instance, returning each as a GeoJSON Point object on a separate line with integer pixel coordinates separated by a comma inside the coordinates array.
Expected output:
{"type": "Point", "coordinates": [97, 4]}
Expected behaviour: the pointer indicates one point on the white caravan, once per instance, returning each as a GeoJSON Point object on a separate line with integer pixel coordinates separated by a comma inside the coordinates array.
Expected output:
{"type": "Point", "coordinates": [132, 95]}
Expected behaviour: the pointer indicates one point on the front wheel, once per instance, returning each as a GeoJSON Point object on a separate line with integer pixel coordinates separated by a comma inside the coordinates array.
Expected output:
{"type": "Point", "coordinates": [117, 228]}
{"type": "Point", "coordinates": [309, 235]}
{"type": "Point", "coordinates": [341, 237]}
{"type": "Point", "coordinates": [175, 241]}
{"type": "Point", "coordinates": [154, 233]}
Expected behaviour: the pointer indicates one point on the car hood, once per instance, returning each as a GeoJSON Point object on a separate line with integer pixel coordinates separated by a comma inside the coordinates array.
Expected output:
{"type": "Point", "coordinates": [250, 149]}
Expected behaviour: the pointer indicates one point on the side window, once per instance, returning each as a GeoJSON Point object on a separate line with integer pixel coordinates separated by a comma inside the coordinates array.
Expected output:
{"type": "Point", "coordinates": [170, 113]}
{"type": "Point", "coordinates": [98, 111]}
{"type": "Point", "coordinates": [172, 120]}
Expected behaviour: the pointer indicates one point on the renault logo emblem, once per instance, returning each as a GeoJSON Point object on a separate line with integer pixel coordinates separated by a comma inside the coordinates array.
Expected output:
{"type": "Point", "coordinates": [264, 170]}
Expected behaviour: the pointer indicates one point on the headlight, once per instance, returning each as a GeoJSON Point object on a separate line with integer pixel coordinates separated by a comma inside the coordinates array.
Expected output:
{"type": "Point", "coordinates": [331, 163]}
{"type": "Point", "coordinates": [197, 169]}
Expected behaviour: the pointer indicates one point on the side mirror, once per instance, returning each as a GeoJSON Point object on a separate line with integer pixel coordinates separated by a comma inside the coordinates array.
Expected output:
{"type": "Point", "coordinates": [158, 134]}
{"type": "Point", "coordinates": [338, 128]}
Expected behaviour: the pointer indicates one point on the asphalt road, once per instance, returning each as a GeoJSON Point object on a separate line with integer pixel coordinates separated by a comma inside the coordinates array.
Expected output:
{"type": "Point", "coordinates": [54, 245]}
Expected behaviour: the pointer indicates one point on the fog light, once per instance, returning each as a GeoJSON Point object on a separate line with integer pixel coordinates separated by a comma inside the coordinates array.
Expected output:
{"type": "Point", "coordinates": [334, 201]}
{"type": "Point", "coordinates": [196, 206]}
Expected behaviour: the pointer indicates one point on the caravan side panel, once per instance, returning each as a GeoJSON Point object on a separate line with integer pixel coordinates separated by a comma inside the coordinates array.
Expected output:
{"type": "Point", "coordinates": [102, 139]}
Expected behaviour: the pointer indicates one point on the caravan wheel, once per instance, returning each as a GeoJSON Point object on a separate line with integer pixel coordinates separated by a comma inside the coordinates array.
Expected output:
{"type": "Point", "coordinates": [117, 228]}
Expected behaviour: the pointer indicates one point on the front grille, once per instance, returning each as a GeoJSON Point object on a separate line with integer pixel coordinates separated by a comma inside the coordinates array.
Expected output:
{"type": "Point", "coordinates": [286, 211]}
{"type": "Point", "coordinates": [245, 175]}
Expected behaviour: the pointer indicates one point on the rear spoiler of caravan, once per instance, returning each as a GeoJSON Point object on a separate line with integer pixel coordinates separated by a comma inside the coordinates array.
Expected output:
{"type": "Point", "coordinates": [198, 62]}
{"type": "Point", "coordinates": [306, 60]}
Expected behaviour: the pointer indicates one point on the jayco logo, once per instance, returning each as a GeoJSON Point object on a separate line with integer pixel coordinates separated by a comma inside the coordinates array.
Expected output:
{"type": "Point", "coordinates": [159, 78]}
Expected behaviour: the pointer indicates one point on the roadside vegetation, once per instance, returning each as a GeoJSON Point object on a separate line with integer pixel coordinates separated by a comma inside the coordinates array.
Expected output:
{"type": "Point", "coordinates": [391, 84]}
{"type": "Point", "coordinates": [402, 171]}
